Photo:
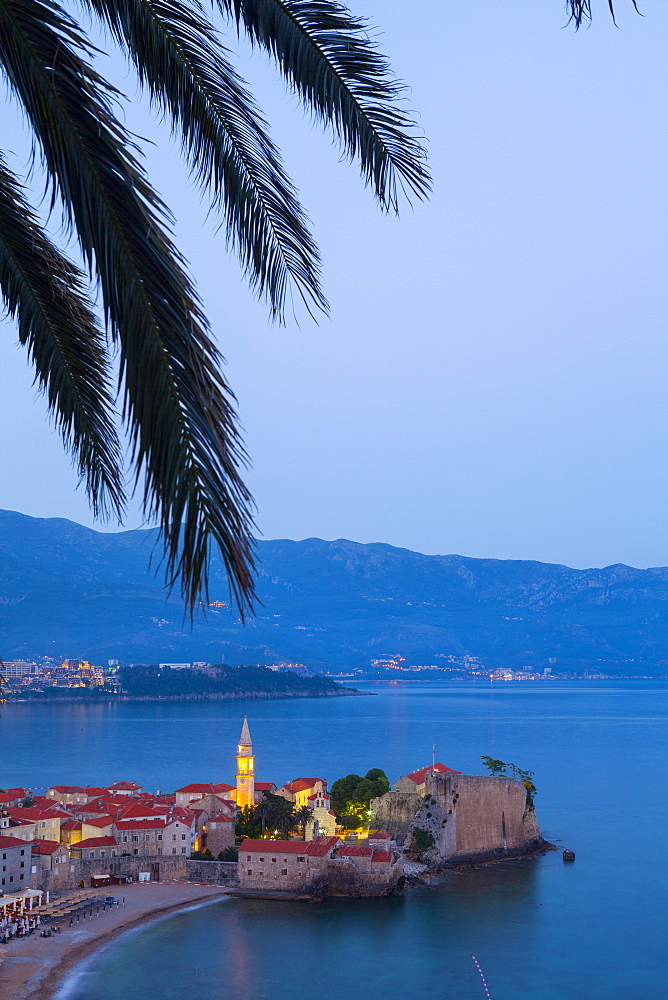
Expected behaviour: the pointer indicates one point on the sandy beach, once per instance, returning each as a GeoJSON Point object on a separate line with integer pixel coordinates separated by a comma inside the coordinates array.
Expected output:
{"type": "Point", "coordinates": [34, 968]}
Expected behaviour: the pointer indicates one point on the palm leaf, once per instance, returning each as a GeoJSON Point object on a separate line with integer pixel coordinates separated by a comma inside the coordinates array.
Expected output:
{"type": "Point", "coordinates": [45, 293]}
{"type": "Point", "coordinates": [328, 58]}
{"type": "Point", "coordinates": [179, 410]}
{"type": "Point", "coordinates": [178, 57]}
{"type": "Point", "coordinates": [580, 10]}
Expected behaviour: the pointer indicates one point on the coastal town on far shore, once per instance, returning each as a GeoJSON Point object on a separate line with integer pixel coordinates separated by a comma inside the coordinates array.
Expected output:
{"type": "Point", "coordinates": [257, 838]}
{"type": "Point", "coordinates": [71, 676]}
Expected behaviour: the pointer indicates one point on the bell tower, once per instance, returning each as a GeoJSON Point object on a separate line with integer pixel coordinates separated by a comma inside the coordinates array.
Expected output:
{"type": "Point", "coordinates": [245, 769]}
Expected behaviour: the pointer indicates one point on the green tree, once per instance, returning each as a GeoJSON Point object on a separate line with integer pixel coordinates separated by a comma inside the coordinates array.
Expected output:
{"type": "Point", "coordinates": [352, 795]}
{"type": "Point", "coordinates": [229, 854]}
{"type": "Point", "coordinates": [264, 812]}
{"type": "Point", "coordinates": [342, 794]}
{"type": "Point", "coordinates": [284, 817]}
{"type": "Point", "coordinates": [186, 453]}
{"type": "Point", "coordinates": [248, 824]}
{"type": "Point", "coordinates": [500, 769]}
{"type": "Point", "coordinates": [303, 815]}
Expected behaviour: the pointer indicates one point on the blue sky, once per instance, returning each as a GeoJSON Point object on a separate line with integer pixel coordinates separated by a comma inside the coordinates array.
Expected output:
{"type": "Point", "coordinates": [492, 380]}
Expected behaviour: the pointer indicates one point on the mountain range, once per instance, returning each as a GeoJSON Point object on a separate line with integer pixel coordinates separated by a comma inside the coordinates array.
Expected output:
{"type": "Point", "coordinates": [66, 590]}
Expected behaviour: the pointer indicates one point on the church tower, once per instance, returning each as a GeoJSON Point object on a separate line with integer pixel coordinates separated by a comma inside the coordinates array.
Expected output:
{"type": "Point", "coordinates": [245, 769]}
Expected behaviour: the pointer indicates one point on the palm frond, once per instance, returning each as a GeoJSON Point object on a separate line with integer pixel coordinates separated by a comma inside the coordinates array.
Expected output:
{"type": "Point", "coordinates": [580, 10]}
{"type": "Point", "coordinates": [179, 59]}
{"type": "Point", "coordinates": [46, 294]}
{"type": "Point", "coordinates": [329, 59]}
{"type": "Point", "coordinates": [180, 413]}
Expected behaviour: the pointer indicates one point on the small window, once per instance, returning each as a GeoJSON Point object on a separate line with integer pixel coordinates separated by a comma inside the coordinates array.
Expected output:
{"type": "Point", "coordinates": [301, 860]}
{"type": "Point", "coordinates": [261, 861]}
{"type": "Point", "coordinates": [160, 850]}
{"type": "Point", "coordinates": [159, 836]}
{"type": "Point", "coordinates": [248, 857]}
{"type": "Point", "coordinates": [249, 872]}
{"type": "Point", "coordinates": [22, 853]}
{"type": "Point", "coordinates": [101, 854]}
{"type": "Point", "coordinates": [273, 861]}
{"type": "Point", "coordinates": [91, 854]}
{"type": "Point", "coordinates": [183, 836]}
{"type": "Point", "coordinates": [183, 850]}
{"type": "Point", "coordinates": [173, 850]}
{"type": "Point", "coordinates": [285, 871]}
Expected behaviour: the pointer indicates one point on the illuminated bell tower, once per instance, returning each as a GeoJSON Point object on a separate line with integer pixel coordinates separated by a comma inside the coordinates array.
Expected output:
{"type": "Point", "coordinates": [245, 769]}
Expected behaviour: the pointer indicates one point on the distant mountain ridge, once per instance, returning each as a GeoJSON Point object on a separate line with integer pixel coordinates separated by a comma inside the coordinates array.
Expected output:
{"type": "Point", "coordinates": [71, 591]}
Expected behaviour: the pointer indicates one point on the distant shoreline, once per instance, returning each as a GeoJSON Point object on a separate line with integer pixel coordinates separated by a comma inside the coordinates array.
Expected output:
{"type": "Point", "coordinates": [212, 696]}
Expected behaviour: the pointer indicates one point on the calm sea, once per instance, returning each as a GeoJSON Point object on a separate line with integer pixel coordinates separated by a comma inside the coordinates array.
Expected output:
{"type": "Point", "coordinates": [541, 930]}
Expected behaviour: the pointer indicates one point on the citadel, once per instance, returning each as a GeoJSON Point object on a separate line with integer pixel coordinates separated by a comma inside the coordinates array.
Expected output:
{"type": "Point", "coordinates": [75, 836]}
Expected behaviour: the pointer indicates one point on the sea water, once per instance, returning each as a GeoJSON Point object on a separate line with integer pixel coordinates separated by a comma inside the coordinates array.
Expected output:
{"type": "Point", "coordinates": [541, 929]}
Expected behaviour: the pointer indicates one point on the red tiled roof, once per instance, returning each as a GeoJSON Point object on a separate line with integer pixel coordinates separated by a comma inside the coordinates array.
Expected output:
{"type": "Point", "coordinates": [21, 822]}
{"type": "Point", "coordinates": [45, 846]}
{"type": "Point", "coordinates": [71, 824]}
{"type": "Point", "coordinates": [322, 846]}
{"type": "Point", "coordinates": [37, 813]}
{"type": "Point", "coordinates": [67, 789]}
{"type": "Point", "coordinates": [124, 786]}
{"type": "Point", "coordinates": [380, 835]}
{"type": "Point", "coordinates": [205, 788]}
{"type": "Point", "coordinates": [301, 784]}
{"type": "Point", "coordinates": [264, 786]}
{"type": "Point", "coordinates": [141, 824]}
{"type": "Point", "coordinates": [381, 856]}
{"type": "Point", "coordinates": [275, 846]}
{"type": "Point", "coordinates": [419, 776]}
{"type": "Point", "coordinates": [94, 792]}
{"type": "Point", "coordinates": [219, 818]}
{"type": "Point", "coordinates": [12, 842]}
{"type": "Point", "coordinates": [355, 851]}
{"type": "Point", "coordinates": [94, 842]}
{"type": "Point", "coordinates": [99, 821]}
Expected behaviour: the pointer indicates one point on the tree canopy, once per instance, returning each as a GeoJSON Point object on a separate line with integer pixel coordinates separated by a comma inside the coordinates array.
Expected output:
{"type": "Point", "coordinates": [350, 796]}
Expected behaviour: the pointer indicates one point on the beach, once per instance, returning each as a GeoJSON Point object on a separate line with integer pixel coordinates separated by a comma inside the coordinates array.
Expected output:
{"type": "Point", "coordinates": [34, 968]}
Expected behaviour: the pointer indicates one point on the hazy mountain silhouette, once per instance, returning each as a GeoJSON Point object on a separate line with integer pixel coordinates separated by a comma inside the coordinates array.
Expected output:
{"type": "Point", "coordinates": [71, 591]}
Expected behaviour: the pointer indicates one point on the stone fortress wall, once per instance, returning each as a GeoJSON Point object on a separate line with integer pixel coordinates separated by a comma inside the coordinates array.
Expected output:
{"type": "Point", "coordinates": [68, 876]}
{"type": "Point", "coordinates": [468, 816]}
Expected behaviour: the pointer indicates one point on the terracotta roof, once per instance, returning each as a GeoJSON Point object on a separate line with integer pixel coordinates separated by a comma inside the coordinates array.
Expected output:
{"type": "Point", "coordinates": [99, 821]}
{"type": "Point", "coordinates": [38, 814]}
{"type": "Point", "coordinates": [71, 824]}
{"type": "Point", "coordinates": [382, 856]}
{"type": "Point", "coordinates": [322, 846]}
{"type": "Point", "coordinates": [206, 788]}
{"type": "Point", "coordinates": [419, 776]}
{"type": "Point", "coordinates": [264, 786]}
{"type": "Point", "coordinates": [94, 842]}
{"type": "Point", "coordinates": [12, 842]}
{"type": "Point", "coordinates": [301, 784]}
{"type": "Point", "coordinates": [380, 835]}
{"type": "Point", "coordinates": [219, 818]}
{"type": "Point", "coordinates": [355, 851]}
{"type": "Point", "coordinates": [124, 786]}
{"type": "Point", "coordinates": [67, 789]}
{"type": "Point", "coordinates": [275, 846]}
{"type": "Point", "coordinates": [94, 792]}
{"type": "Point", "coordinates": [45, 846]}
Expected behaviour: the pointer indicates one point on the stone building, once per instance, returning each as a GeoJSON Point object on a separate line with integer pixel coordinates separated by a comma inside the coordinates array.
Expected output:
{"type": "Point", "coordinates": [155, 836]}
{"type": "Point", "coordinates": [48, 855]}
{"type": "Point", "coordinates": [197, 790]}
{"type": "Point", "coordinates": [15, 864]}
{"type": "Point", "coordinates": [323, 867]}
{"type": "Point", "coordinates": [416, 781]}
{"type": "Point", "coordinates": [94, 849]}
{"type": "Point", "coordinates": [218, 833]}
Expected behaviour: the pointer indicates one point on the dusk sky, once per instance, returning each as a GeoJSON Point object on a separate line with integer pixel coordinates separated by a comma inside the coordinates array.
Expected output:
{"type": "Point", "coordinates": [493, 378]}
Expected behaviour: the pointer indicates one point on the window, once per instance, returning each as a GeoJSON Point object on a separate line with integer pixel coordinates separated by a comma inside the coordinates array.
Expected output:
{"type": "Point", "coordinates": [125, 840]}
{"type": "Point", "coordinates": [183, 836]}
{"type": "Point", "coordinates": [284, 872]}
{"type": "Point", "coordinates": [4, 879]}
{"type": "Point", "coordinates": [22, 853]}
{"type": "Point", "coordinates": [135, 839]}
{"type": "Point", "coordinates": [23, 864]}
{"type": "Point", "coordinates": [160, 850]}
{"type": "Point", "coordinates": [91, 854]}
{"type": "Point", "coordinates": [261, 861]}
{"type": "Point", "coordinates": [273, 861]}
{"type": "Point", "coordinates": [11, 878]}
{"type": "Point", "coordinates": [249, 872]}
{"type": "Point", "coordinates": [183, 850]}
{"type": "Point", "coordinates": [174, 837]}
{"type": "Point", "coordinates": [248, 857]}
{"type": "Point", "coordinates": [159, 836]}
{"type": "Point", "coordinates": [146, 837]}
{"type": "Point", "coordinates": [173, 850]}
{"type": "Point", "coordinates": [301, 860]}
